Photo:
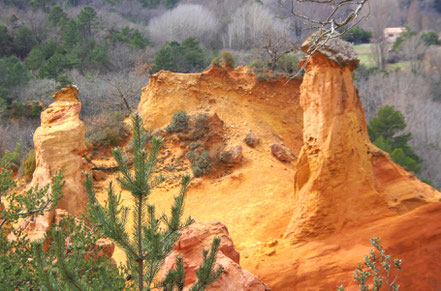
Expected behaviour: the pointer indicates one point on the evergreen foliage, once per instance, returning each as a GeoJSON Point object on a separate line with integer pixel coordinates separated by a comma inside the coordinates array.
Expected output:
{"type": "Point", "coordinates": [41, 4]}
{"type": "Point", "coordinates": [12, 73]}
{"type": "Point", "coordinates": [56, 65]}
{"type": "Point", "coordinates": [379, 266]}
{"type": "Point", "coordinates": [70, 34]}
{"type": "Point", "coordinates": [34, 202]}
{"type": "Point", "coordinates": [185, 57]}
{"type": "Point", "coordinates": [154, 3]}
{"type": "Point", "coordinates": [15, 273]}
{"type": "Point", "coordinates": [154, 237]}
{"type": "Point", "coordinates": [6, 42]}
{"type": "Point", "coordinates": [430, 38]}
{"type": "Point", "coordinates": [78, 264]}
{"type": "Point", "coordinates": [24, 41]}
{"type": "Point", "coordinates": [57, 17]}
{"type": "Point", "coordinates": [357, 35]}
{"type": "Point", "coordinates": [87, 20]}
{"type": "Point", "coordinates": [383, 131]}
{"type": "Point", "coordinates": [132, 37]}
{"type": "Point", "coordinates": [74, 259]}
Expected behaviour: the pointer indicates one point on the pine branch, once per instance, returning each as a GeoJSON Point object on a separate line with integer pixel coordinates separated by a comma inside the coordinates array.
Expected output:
{"type": "Point", "coordinates": [67, 274]}
{"type": "Point", "coordinates": [206, 275]}
{"type": "Point", "coordinates": [40, 266]}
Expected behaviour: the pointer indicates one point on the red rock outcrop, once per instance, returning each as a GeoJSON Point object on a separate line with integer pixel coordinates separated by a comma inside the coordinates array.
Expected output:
{"type": "Point", "coordinates": [341, 178]}
{"type": "Point", "coordinates": [194, 240]}
{"type": "Point", "coordinates": [59, 145]}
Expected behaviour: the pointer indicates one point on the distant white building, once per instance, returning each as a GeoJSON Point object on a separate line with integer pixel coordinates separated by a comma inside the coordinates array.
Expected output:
{"type": "Point", "coordinates": [392, 33]}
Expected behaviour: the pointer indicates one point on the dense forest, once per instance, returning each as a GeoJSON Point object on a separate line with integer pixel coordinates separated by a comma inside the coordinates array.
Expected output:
{"type": "Point", "coordinates": [108, 48]}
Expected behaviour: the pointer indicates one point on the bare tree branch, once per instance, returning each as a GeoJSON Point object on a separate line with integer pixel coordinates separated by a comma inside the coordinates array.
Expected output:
{"type": "Point", "coordinates": [341, 16]}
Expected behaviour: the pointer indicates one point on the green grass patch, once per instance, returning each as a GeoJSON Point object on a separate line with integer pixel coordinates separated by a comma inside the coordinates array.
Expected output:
{"type": "Point", "coordinates": [367, 60]}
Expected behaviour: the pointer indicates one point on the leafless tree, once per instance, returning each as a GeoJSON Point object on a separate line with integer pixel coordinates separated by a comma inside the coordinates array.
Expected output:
{"type": "Point", "coordinates": [11, 133]}
{"type": "Point", "coordinates": [276, 46]}
{"type": "Point", "coordinates": [335, 19]}
{"type": "Point", "coordinates": [253, 25]}
{"type": "Point", "coordinates": [414, 50]}
{"type": "Point", "coordinates": [184, 21]}
{"type": "Point", "coordinates": [109, 92]}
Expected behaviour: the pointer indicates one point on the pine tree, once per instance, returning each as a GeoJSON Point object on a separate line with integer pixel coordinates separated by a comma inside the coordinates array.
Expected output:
{"type": "Point", "coordinates": [383, 131]}
{"type": "Point", "coordinates": [87, 19]}
{"type": "Point", "coordinates": [154, 237]}
{"type": "Point", "coordinates": [74, 260]}
{"type": "Point", "coordinates": [70, 35]}
{"type": "Point", "coordinates": [24, 41]}
{"type": "Point", "coordinates": [57, 16]}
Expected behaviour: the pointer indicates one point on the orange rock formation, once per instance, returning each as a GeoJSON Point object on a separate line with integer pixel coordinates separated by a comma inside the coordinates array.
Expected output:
{"type": "Point", "coordinates": [341, 178]}
{"type": "Point", "coordinates": [59, 145]}
{"type": "Point", "coordinates": [194, 240]}
{"type": "Point", "coordinates": [310, 236]}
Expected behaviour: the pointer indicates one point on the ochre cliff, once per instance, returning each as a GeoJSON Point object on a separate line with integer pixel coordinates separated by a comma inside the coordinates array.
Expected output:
{"type": "Point", "coordinates": [258, 191]}
{"type": "Point", "coordinates": [299, 223]}
{"type": "Point", "coordinates": [59, 145]}
{"type": "Point", "coordinates": [341, 178]}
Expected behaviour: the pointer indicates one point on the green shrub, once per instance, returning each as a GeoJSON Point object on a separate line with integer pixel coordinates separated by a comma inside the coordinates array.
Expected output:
{"type": "Point", "coordinates": [378, 266]}
{"type": "Point", "coordinates": [127, 35]}
{"type": "Point", "coordinates": [185, 57]}
{"type": "Point", "coordinates": [217, 61]}
{"type": "Point", "coordinates": [29, 166]}
{"type": "Point", "coordinates": [357, 35]}
{"type": "Point", "coordinates": [179, 122]}
{"type": "Point", "coordinates": [200, 163]}
{"type": "Point", "coordinates": [227, 58]}
{"type": "Point", "coordinates": [288, 63]}
{"type": "Point", "coordinates": [430, 38]}
{"type": "Point", "coordinates": [261, 76]}
{"type": "Point", "coordinates": [12, 73]}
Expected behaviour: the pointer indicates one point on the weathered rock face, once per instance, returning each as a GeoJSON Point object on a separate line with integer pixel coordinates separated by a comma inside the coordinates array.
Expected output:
{"type": "Point", "coordinates": [59, 145]}
{"type": "Point", "coordinates": [242, 195]}
{"type": "Point", "coordinates": [341, 178]}
{"type": "Point", "coordinates": [346, 190]}
{"type": "Point", "coordinates": [191, 244]}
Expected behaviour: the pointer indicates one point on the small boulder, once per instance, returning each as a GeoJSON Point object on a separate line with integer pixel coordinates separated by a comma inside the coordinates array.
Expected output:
{"type": "Point", "coordinates": [232, 156]}
{"type": "Point", "coordinates": [280, 153]}
{"type": "Point", "coordinates": [190, 246]}
{"type": "Point", "coordinates": [251, 139]}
